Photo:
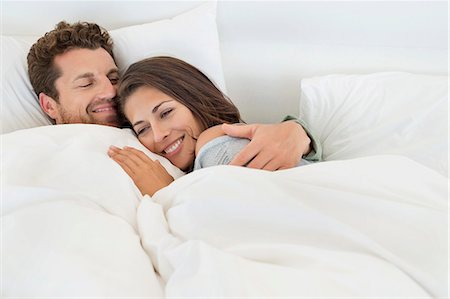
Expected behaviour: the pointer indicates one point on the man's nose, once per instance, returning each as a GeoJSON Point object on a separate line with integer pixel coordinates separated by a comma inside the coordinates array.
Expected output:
{"type": "Point", "coordinates": [107, 90]}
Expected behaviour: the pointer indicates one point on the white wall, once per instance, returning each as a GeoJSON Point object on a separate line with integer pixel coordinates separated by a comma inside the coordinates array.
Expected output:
{"type": "Point", "coordinates": [268, 46]}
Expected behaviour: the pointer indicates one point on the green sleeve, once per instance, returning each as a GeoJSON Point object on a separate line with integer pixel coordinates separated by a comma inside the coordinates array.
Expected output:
{"type": "Point", "coordinates": [316, 148]}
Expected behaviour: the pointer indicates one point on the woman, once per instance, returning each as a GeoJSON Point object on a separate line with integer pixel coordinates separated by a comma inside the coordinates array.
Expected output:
{"type": "Point", "coordinates": [175, 111]}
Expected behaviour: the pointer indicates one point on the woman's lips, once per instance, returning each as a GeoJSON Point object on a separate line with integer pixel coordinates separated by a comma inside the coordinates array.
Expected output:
{"type": "Point", "coordinates": [173, 148]}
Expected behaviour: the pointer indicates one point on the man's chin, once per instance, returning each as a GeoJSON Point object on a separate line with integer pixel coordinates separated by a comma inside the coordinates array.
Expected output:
{"type": "Point", "coordinates": [112, 121]}
{"type": "Point", "coordinates": [113, 124]}
{"type": "Point", "coordinates": [107, 119]}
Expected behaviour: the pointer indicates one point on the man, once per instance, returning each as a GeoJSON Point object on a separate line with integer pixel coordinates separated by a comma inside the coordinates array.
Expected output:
{"type": "Point", "coordinates": [73, 72]}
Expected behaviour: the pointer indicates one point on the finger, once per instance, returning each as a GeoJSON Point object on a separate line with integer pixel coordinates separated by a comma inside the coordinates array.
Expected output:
{"type": "Point", "coordinates": [144, 164]}
{"type": "Point", "coordinates": [141, 159]}
{"type": "Point", "coordinates": [238, 130]}
{"type": "Point", "coordinates": [138, 157]}
{"type": "Point", "coordinates": [280, 162]}
{"type": "Point", "coordinates": [140, 154]}
{"type": "Point", "coordinates": [127, 158]}
{"type": "Point", "coordinates": [163, 172]}
{"type": "Point", "coordinates": [283, 167]}
{"type": "Point", "coordinates": [113, 150]}
{"type": "Point", "coordinates": [274, 164]}
{"type": "Point", "coordinates": [158, 164]}
{"type": "Point", "coordinates": [260, 161]}
{"type": "Point", "coordinates": [124, 166]}
{"type": "Point", "coordinates": [245, 155]}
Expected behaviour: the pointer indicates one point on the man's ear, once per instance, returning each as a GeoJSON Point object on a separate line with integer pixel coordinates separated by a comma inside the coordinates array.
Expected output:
{"type": "Point", "coordinates": [49, 106]}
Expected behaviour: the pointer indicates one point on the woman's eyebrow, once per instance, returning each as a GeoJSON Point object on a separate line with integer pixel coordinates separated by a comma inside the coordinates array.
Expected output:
{"type": "Point", "coordinates": [138, 123]}
{"type": "Point", "coordinates": [155, 109]}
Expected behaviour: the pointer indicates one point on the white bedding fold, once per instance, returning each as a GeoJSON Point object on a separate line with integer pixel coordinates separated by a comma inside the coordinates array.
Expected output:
{"type": "Point", "coordinates": [374, 226]}
{"type": "Point", "coordinates": [67, 248]}
{"type": "Point", "coordinates": [74, 225]}
{"type": "Point", "coordinates": [69, 216]}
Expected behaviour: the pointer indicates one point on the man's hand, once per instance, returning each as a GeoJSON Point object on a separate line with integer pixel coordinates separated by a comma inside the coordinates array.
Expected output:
{"type": "Point", "coordinates": [272, 147]}
{"type": "Point", "coordinates": [148, 175]}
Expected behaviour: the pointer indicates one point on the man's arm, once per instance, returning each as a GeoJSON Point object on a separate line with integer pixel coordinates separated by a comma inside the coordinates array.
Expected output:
{"type": "Point", "coordinates": [315, 152]}
{"type": "Point", "coordinates": [275, 146]}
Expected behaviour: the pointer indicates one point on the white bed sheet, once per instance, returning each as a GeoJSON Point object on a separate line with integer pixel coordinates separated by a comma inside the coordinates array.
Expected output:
{"type": "Point", "coordinates": [69, 215]}
{"type": "Point", "coordinates": [368, 227]}
{"type": "Point", "coordinates": [74, 225]}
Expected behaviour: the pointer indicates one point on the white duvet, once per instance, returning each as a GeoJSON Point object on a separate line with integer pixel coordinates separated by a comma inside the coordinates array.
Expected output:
{"type": "Point", "coordinates": [74, 225]}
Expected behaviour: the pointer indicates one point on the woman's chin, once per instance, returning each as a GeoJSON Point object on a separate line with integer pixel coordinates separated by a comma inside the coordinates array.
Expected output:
{"type": "Point", "coordinates": [186, 167]}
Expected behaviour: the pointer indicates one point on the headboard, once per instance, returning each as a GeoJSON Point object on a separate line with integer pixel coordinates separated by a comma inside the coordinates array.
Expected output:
{"type": "Point", "coordinates": [267, 47]}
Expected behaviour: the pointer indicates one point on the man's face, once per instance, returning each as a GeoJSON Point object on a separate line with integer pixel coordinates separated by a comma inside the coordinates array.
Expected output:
{"type": "Point", "coordinates": [87, 89]}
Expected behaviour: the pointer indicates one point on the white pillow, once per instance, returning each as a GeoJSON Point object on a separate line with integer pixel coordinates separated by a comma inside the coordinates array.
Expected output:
{"type": "Point", "coordinates": [191, 36]}
{"type": "Point", "coordinates": [19, 107]}
{"type": "Point", "coordinates": [380, 113]}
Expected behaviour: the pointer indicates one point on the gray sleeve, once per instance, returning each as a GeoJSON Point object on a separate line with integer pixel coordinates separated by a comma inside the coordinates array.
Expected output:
{"type": "Point", "coordinates": [219, 151]}
{"type": "Point", "coordinates": [316, 148]}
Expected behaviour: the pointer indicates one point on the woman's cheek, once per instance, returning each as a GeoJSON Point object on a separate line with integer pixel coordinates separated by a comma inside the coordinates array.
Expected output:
{"type": "Point", "coordinates": [147, 143]}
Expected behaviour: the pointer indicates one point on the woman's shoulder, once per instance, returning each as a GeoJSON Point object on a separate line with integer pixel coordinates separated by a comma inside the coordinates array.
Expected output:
{"type": "Point", "coordinates": [208, 135]}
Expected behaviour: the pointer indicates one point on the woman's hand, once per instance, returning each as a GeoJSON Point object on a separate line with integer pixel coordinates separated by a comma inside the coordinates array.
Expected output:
{"type": "Point", "coordinates": [148, 175]}
{"type": "Point", "coordinates": [272, 147]}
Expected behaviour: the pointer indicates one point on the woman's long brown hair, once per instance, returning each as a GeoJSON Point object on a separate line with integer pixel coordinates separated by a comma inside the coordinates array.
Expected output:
{"type": "Point", "coordinates": [183, 82]}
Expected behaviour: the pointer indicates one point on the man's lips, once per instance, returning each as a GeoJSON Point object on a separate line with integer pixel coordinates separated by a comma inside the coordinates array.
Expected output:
{"type": "Point", "coordinates": [105, 108]}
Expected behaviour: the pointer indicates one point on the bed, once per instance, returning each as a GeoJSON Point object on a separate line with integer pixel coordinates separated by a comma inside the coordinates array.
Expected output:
{"type": "Point", "coordinates": [370, 221]}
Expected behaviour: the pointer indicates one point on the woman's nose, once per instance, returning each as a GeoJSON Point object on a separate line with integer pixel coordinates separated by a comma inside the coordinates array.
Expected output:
{"type": "Point", "coordinates": [160, 132]}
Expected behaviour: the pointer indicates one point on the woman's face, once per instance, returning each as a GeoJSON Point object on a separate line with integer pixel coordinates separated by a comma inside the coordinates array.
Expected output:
{"type": "Point", "coordinates": [163, 125]}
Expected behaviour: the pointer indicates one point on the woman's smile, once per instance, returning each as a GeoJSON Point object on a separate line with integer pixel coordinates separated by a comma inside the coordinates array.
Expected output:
{"type": "Point", "coordinates": [163, 125]}
{"type": "Point", "coordinates": [173, 148]}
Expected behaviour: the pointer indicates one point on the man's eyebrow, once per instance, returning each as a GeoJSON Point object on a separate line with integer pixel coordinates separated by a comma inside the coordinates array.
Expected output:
{"type": "Point", "coordinates": [83, 76]}
{"type": "Point", "coordinates": [113, 71]}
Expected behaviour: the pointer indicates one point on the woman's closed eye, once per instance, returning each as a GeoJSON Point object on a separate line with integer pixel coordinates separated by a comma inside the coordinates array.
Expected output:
{"type": "Point", "coordinates": [142, 130]}
{"type": "Point", "coordinates": [166, 113]}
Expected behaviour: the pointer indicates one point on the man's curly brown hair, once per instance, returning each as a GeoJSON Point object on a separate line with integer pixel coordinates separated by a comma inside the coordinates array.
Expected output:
{"type": "Point", "coordinates": [81, 35]}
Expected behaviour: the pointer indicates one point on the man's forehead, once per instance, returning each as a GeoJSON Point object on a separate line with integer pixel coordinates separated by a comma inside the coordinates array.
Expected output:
{"type": "Point", "coordinates": [87, 75]}
{"type": "Point", "coordinates": [85, 62]}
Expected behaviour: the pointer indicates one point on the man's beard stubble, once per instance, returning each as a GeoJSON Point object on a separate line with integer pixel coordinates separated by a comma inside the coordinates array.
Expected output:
{"type": "Point", "coordinates": [68, 118]}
